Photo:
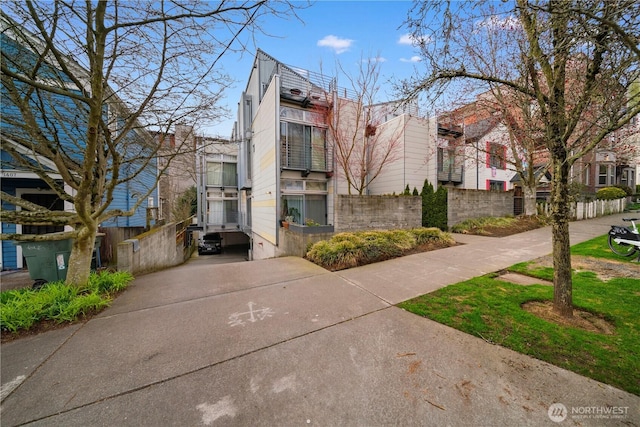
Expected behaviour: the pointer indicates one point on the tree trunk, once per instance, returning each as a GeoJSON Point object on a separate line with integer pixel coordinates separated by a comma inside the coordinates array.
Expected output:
{"type": "Point", "coordinates": [562, 283]}
{"type": "Point", "coordinates": [529, 200]}
{"type": "Point", "coordinates": [80, 258]}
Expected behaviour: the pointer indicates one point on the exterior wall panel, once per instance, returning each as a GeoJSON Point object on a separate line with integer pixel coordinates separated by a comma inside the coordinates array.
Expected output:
{"type": "Point", "coordinates": [265, 172]}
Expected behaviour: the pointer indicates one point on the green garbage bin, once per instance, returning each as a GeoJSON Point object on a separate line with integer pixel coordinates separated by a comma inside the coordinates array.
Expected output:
{"type": "Point", "coordinates": [47, 261]}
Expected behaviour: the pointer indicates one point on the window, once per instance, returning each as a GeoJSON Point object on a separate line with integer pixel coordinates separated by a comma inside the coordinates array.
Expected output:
{"type": "Point", "coordinates": [223, 174]}
{"type": "Point", "coordinates": [222, 211]}
{"type": "Point", "coordinates": [605, 174]}
{"type": "Point", "coordinates": [304, 200]}
{"type": "Point", "coordinates": [446, 159]}
{"type": "Point", "coordinates": [496, 156]}
{"type": "Point", "coordinates": [315, 208]}
{"type": "Point", "coordinates": [495, 185]}
{"type": "Point", "coordinates": [303, 207]}
{"type": "Point", "coordinates": [303, 146]}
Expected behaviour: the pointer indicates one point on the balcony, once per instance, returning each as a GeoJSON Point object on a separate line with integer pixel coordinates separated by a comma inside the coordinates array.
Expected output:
{"type": "Point", "coordinates": [304, 87]}
{"type": "Point", "coordinates": [451, 174]}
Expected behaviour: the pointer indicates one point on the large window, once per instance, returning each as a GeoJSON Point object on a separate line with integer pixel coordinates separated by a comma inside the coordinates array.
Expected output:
{"type": "Point", "coordinates": [222, 207]}
{"type": "Point", "coordinates": [305, 207]}
{"type": "Point", "coordinates": [303, 146]}
{"type": "Point", "coordinates": [224, 173]}
{"type": "Point", "coordinates": [496, 156]}
{"type": "Point", "coordinates": [222, 211]}
{"type": "Point", "coordinates": [496, 185]}
{"type": "Point", "coordinates": [304, 200]}
{"type": "Point", "coordinates": [446, 159]}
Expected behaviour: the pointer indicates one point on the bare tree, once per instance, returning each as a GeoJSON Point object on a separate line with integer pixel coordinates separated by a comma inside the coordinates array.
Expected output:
{"type": "Point", "coordinates": [573, 61]}
{"type": "Point", "coordinates": [84, 78]}
{"type": "Point", "coordinates": [520, 141]}
{"type": "Point", "coordinates": [362, 146]}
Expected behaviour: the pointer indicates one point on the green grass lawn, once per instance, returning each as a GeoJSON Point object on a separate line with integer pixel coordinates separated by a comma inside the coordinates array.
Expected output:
{"type": "Point", "coordinates": [491, 309]}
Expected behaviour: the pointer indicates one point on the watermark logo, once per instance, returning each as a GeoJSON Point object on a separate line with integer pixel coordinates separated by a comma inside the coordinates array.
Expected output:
{"type": "Point", "coordinates": [557, 412]}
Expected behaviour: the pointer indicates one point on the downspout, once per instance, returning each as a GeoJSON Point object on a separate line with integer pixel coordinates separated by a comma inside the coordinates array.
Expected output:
{"type": "Point", "coordinates": [200, 188]}
{"type": "Point", "coordinates": [404, 148]}
{"type": "Point", "coordinates": [276, 80]}
{"type": "Point", "coordinates": [478, 164]}
{"type": "Point", "coordinates": [334, 160]}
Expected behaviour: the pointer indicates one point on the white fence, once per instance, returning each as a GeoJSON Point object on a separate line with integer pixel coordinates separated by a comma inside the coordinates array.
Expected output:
{"type": "Point", "coordinates": [586, 210]}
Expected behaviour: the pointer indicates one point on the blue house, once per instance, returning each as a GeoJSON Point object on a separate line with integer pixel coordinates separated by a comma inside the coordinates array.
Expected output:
{"type": "Point", "coordinates": [59, 121]}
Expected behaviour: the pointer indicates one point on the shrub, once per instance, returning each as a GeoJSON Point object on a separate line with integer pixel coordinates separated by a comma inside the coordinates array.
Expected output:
{"type": "Point", "coordinates": [430, 235]}
{"type": "Point", "coordinates": [434, 206]}
{"type": "Point", "coordinates": [23, 308]}
{"type": "Point", "coordinates": [625, 188]}
{"type": "Point", "coordinates": [610, 193]}
{"type": "Point", "coordinates": [346, 250]}
{"type": "Point", "coordinates": [477, 225]}
{"type": "Point", "coordinates": [440, 215]}
{"type": "Point", "coordinates": [427, 203]}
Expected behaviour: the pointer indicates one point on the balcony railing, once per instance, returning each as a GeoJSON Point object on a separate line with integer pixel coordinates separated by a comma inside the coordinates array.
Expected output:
{"type": "Point", "coordinates": [451, 174]}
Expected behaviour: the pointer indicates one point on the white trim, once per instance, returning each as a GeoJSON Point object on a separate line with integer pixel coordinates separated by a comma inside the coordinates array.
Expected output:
{"type": "Point", "coordinates": [29, 153]}
{"type": "Point", "coordinates": [12, 173]}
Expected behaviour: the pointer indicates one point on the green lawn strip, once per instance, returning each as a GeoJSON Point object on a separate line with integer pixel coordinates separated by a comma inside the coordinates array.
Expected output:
{"type": "Point", "coordinates": [491, 309]}
{"type": "Point", "coordinates": [599, 248]}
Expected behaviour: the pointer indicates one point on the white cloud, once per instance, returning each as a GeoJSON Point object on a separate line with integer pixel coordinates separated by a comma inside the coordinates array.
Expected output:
{"type": "Point", "coordinates": [406, 39]}
{"type": "Point", "coordinates": [338, 44]}
{"type": "Point", "coordinates": [414, 58]}
{"type": "Point", "coordinates": [410, 40]}
{"type": "Point", "coordinates": [375, 59]}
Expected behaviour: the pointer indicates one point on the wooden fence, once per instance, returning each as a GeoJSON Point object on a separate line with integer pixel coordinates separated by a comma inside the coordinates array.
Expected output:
{"type": "Point", "coordinates": [586, 210]}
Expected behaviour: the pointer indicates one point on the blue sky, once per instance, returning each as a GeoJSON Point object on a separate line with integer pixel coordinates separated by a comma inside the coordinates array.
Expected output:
{"type": "Point", "coordinates": [330, 31]}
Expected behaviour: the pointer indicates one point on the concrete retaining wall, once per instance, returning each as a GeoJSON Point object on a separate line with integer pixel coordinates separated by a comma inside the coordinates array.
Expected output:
{"type": "Point", "coordinates": [294, 243]}
{"type": "Point", "coordinates": [354, 213]}
{"type": "Point", "coordinates": [154, 250]}
{"type": "Point", "coordinates": [466, 204]}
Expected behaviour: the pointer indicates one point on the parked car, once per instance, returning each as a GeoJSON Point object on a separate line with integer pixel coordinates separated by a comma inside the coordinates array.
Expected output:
{"type": "Point", "coordinates": [210, 243]}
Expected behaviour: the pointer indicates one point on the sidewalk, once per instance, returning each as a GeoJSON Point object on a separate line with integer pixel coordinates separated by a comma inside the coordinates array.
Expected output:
{"type": "Point", "coordinates": [284, 342]}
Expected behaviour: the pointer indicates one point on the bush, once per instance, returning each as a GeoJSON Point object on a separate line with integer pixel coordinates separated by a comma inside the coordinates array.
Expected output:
{"type": "Point", "coordinates": [346, 250]}
{"type": "Point", "coordinates": [625, 188]}
{"type": "Point", "coordinates": [610, 193]}
{"type": "Point", "coordinates": [477, 225]}
{"type": "Point", "coordinates": [20, 309]}
{"type": "Point", "coordinates": [430, 235]}
{"type": "Point", "coordinates": [434, 206]}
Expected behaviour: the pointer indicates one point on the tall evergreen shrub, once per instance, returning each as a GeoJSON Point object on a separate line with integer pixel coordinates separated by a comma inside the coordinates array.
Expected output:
{"type": "Point", "coordinates": [440, 209]}
{"type": "Point", "coordinates": [434, 206]}
{"type": "Point", "coordinates": [427, 202]}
